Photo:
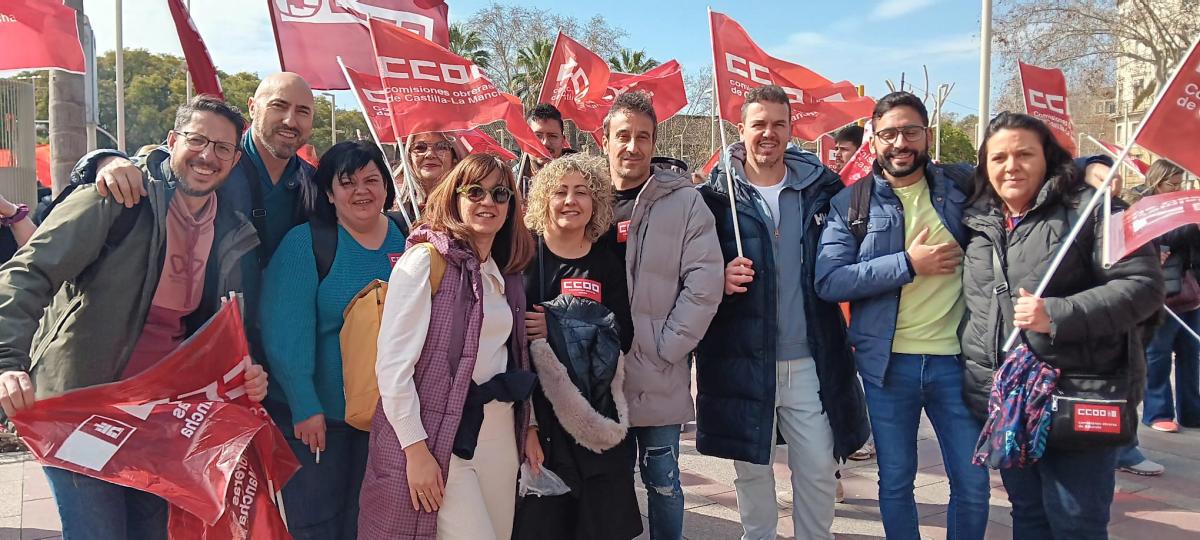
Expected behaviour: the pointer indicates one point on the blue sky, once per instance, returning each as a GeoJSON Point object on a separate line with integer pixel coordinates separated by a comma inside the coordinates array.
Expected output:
{"type": "Point", "coordinates": [865, 41]}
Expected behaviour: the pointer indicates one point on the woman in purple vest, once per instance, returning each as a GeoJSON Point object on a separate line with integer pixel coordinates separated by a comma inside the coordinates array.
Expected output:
{"type": "Point", "coordinates": [453, 371]}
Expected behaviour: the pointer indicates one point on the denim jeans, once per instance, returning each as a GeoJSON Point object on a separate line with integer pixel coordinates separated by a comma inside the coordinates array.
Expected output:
{"type": "Point", "coordinates": [933, 383]}
{"type": "Point", "coordinates": [658, 459]}
{"type": "Point", "coordinates": [321, 499]}
{"type": "Point", "coordinates": [1067, 494]}
{"type": "Point", "coordinates": [93, 509]}
{"type": "Point", "coordinates": [1184, 405]}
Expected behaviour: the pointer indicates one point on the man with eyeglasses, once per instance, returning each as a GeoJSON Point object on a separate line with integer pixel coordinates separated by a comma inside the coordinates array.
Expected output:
{"type": "Point", "coordinates": [270, 184]}
{"type": "Point", "coordinates": [119, 315]}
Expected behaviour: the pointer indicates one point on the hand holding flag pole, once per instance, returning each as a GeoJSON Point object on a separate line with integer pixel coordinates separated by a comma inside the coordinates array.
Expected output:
{"type": "Point", "coordinates": [1169, 138]}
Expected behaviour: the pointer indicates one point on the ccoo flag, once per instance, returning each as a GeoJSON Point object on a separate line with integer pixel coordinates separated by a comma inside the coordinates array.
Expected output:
{"type": "Point", "coordinates": [1045, 91]}
{"type": "Point", "coordinates": [199, 63]}
{"type": "Point", "coordinates": [1172, 125]}
{"type": "Point", "coordinates": [39, 34]}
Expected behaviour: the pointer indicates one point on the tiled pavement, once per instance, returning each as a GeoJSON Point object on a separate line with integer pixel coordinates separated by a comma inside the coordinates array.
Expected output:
{"type": "Point", "coordinates": [1163, 508]}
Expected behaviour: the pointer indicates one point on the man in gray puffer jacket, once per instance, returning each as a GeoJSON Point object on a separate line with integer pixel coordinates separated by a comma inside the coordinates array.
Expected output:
{"type": "Point", "coordinates": [667, 237]}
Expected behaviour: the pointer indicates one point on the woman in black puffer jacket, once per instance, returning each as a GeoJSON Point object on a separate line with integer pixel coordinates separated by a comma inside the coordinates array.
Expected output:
{"type": "Point", "coordinates": [1028, 195]}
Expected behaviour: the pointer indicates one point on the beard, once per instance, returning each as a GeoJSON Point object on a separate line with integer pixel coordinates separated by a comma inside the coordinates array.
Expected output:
{"type": "Point", "coordinates": [920, 159]}
{"type": "Point", "coordinates": [280, 150]}
{"type": "Point", "coordinates": [184, 185]}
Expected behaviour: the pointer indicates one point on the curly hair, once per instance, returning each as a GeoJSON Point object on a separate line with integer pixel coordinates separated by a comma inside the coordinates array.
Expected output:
{"type": "Point", "coordinates": [545, 183]}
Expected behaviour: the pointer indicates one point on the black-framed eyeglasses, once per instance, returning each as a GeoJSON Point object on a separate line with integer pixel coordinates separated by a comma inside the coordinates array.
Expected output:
{"type": "Point", "coordinates": [475, 193]}
{"type": "Point", "coordinates": [911, 133]}
{"type": "Point", "coordinates": [422, 147]}
{"type": "Point", "coordinates": [197, 143]}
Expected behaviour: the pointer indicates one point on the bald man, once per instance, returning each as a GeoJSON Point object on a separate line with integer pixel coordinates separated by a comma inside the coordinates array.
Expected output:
{"type": "Point", "coordinates": [269, 183]}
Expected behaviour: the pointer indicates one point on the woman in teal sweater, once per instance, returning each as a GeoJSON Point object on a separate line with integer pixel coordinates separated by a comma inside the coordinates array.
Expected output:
{"type": "Point", "coordinates": [301, 322]}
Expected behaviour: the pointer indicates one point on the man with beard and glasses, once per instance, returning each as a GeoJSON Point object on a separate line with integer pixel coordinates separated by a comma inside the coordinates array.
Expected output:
{"type": "Point", "coordinates": [902, 275]}
{"type": "Point", "coordinates": [270, 184]}
{"type": "Point", "coordinates": [100, 247]}
{"type": "Point", "coordinates": [664, 233]}
{"type": "Point", "coordinates": [775, 360]}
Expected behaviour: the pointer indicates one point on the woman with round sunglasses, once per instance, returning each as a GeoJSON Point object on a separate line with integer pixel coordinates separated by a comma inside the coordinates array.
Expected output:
{"type": "Point", "coordinates": [302, 316]}
{"type": "Point", "coordinates": [443, 461]}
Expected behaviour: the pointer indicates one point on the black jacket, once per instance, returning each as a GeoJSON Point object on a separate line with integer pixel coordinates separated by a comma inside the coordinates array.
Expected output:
{"type": "Point", "coordinates": [735, 369]}
{"type": "Point", "coordinates": [1094, 311]}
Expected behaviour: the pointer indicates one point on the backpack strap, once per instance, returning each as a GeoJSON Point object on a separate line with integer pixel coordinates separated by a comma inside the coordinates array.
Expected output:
{"type": "Point", "coordinates": [860, 207]}
{"type": "Point", "coordinates": [437, 267]}
{"type": "Point", "coordinates": [324, 245]}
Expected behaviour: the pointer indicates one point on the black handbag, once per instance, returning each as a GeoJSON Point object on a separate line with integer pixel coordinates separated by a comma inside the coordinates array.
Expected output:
{"type": "Point", "coordinates": [1087, 410]}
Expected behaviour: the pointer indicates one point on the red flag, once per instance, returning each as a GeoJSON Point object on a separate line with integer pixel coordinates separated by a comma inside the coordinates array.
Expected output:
{"type": "Point", "coordinates": [432, 89]}
{"type": "Point", "coordinates": [576, 83]}
{"type": "Point", "coordinates": [862, 162]}
{"type": "Point", "coordinates": [818, 105]}
{"type": "Point", "coordinates": [1149, 218]}
{"type": "Point", "coordinates": [712, 162]}
{"type": "Point", "coordinates": [664, 84]}
{"type": "Point", "coordinates": [1045, 91]}
{"type": "Point", "coordinates": [252, 513]}
{"type": "Point", "coordinates": [311, 34]}
{"type": "Point", "coordinates": [374, 103]}
{"type": "Point", "coordinates": [1138, 165]}
{"type": "Point", "coordinates": [478, 142]}
{"type": "Point", "coordinates": [39, 34]}
{"type": "Point", "coordinates": [177, 430]}
{"type": "Point", "coordinates": [1172, 125]}
{"type": "Point", "coordinates": [42, 157]}
{"type": "Point", "coordinates": [200, 64]}
{"type": "Point", "coordinates": [828, 150]}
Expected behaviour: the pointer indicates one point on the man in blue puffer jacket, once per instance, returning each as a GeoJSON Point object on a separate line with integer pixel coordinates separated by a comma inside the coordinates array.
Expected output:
{"type": "Point", "coordinates": [775, 356]}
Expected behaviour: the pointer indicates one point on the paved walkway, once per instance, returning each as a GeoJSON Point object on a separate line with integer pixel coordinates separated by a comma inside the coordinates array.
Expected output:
{"type": "Point", "coordinates": [1163, 508]}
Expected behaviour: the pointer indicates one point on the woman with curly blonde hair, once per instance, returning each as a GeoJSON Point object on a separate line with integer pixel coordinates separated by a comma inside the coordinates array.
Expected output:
{"type": "Point", "coordinates": [579, 324]}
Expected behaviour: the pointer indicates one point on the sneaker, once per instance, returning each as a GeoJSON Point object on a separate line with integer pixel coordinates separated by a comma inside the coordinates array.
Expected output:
{"type": "Point", "coordinates": [1144, 468]}
{"type": "Point", "coordinates": [839, 496]}
{"type": "Point", "coordinates": [1168, 426]}
{"type": "Point", "coordinates": [784, 498]}
{"type": "Point", "coordinates": [864, 453]}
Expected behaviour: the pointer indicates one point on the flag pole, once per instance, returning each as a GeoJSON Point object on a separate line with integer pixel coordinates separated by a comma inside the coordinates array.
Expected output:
{"type": "Point", "coordinates": [737, 230]}
{"type": "Point", "coordinates": [120, 54]}
{"type": "Point", "coordinates": [1091, 205]}
{"type": "Point", "coordinates": [402, 141]}
{"type": "Point", "coordinates": [985, 70]}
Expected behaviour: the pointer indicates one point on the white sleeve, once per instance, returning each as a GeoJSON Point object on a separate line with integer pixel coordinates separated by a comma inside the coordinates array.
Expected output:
{"type": "Point", "coordinates": [402, 331]}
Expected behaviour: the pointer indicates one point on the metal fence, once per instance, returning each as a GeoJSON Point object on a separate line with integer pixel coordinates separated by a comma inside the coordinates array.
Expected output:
{"type": "Point", "coordinates": [18, 137]}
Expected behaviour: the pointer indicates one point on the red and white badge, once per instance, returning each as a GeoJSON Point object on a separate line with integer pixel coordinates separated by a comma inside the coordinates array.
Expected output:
{"type": "Point", "coordinates": [394, 258]}
{"type": "Point", "coordinates": [1092, 418]}
{"type": "Point", "coordinates": [623, 231]}
{"type": "Point", "coordinates": [581, 288]}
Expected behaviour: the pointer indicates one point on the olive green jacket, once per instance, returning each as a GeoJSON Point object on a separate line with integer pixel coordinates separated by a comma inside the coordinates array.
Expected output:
{"type": "Point", "coordinates": [73, 300]}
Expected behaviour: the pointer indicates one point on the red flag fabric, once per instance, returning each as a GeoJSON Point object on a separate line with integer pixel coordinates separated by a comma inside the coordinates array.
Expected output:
{"type": "Point", "coordinates": [478, 142]}
{"type": "Point", "coordinates": [818, 104]}
{"type": "Point", "coordinates": [177, 430]}
{"type": "Point", "coordinates": [1149, 218]}
{"type": "Point", "coordinates": [712, 162]}
{"type": "Point", "coordinates": [199, 63]}
{"type": "Point", "coordinates": [862, 161]}
{"type": "Point", "coordinates": [1172, 125]}
{"type": "Point", "coordinates": [1045, 91]}
{"type": "Point", "coordinates": [311, 34]}
{"type": "Point", "coordinates": [828, 150]}
{"type": "Point", "coordinates": [39, 34]}
{"type": "Point", "coordinates": [373, 101]}
{"type": "Point", "coordinates": [1138, 165]}
{"type": "Point", "coordinates": [664, 84]}
{"type": "Point", "coordinates": [308, 153]}
{"type": "Point", "coordinates": [252, 513]}
{"type": "Point", "coordinates": [430, 88]}
{"type": "Point", "coordinates": [42, 156]}
{"type": "Point", "coordinates": [576, 83]}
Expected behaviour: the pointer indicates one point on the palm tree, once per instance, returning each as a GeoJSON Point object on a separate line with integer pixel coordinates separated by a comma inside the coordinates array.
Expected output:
{"type": "Point", "coordinates": [630, 61]}
{"type": "Point", "coordinates": [466, 43]}
{"type": "Point", "coordinates": [532, 62]}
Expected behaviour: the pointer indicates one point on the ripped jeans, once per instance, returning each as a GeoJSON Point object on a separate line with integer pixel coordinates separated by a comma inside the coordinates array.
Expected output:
{"type": "Point", "coordinates": [657, 454]}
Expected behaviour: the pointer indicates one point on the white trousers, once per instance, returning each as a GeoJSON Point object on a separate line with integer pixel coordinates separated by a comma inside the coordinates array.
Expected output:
{"type": "Point", "coordinates": [481, 493]}
{"type": "Point", "coordinates": [805, 428]}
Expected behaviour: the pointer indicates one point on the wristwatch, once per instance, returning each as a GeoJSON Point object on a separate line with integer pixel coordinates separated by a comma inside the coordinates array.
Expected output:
{"type": "Point", "coordinates": [22, 213]}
